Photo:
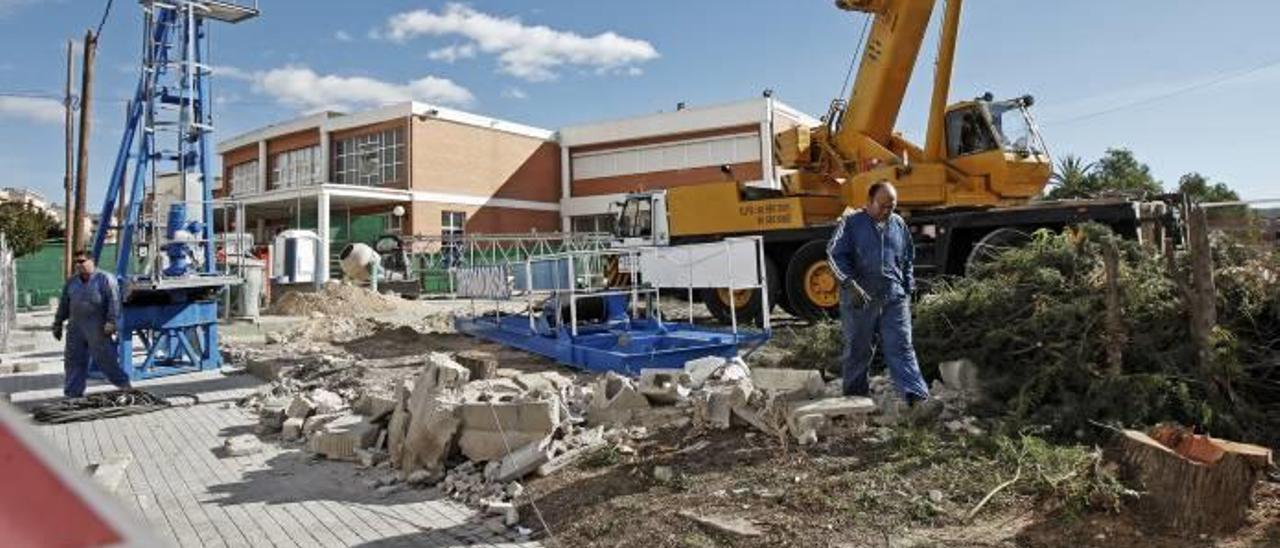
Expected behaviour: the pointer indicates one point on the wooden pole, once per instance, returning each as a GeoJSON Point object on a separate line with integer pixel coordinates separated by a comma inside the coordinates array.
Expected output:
{"type": "Point", "coordinates": [82, 162]}
{"type": "Point", "coordinates": [70, 129]}
{"type": "Point", "coordinates": [1203, 297]}
{"type": "Point", "coordinates": [1115, 316]}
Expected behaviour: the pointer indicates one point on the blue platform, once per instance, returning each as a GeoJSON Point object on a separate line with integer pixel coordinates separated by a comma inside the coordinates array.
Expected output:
{"type": "Point", "coordinates": [624, 347]}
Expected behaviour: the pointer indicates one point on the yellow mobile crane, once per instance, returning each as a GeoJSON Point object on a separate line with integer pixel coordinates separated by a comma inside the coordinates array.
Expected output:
{"type": "Point", "coordinates": [967, 188]}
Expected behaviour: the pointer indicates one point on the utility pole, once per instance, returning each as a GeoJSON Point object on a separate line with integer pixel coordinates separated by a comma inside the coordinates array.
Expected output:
{"type": "Point", "coordinates": [67, 222]}
{"type": "Point", "coordinates": [82, 163]}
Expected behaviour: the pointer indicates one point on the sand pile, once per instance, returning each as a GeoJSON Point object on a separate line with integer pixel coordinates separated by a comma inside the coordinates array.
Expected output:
{"type": "Point", "coordinates": [335, 299]}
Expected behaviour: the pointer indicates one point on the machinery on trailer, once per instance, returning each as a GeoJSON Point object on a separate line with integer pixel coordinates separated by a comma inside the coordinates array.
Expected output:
{"type": "Point", "coordinates": [969, 188]}
{"type": "Point", "coordinates": [166, 258]}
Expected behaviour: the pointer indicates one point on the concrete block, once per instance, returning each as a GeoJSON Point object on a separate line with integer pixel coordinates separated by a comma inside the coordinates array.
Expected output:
{"type": "Point", "coordinates": [429, 436]}
{"type": "Point", "coordinates": [340, 438]}
{"type": "Point", "coordinates": [714, 405]}
{"type": "Point", "coordinates": [482, 365]}
{"type": "Point", "coordinates": [510, 516]}
{"type": "Point", "coordinates": [271, 416]}
{"type": "Point", "coordinates": [242, 445]}
{"type": "Point", "coordinates": [326, 401]}
{"type": "Point", "coordinates": [267, 370]}
{"type": "Point", "coordinates": [110, 472]}
{"type": "Point", "coordinates": [399, 424]}
{"type": "Point", "coordinates": [546, 381]}
{"type": "Point", "coordinates": [523, 461]}
{"type": "Point", "coordinates": [789, 384]}
{"type": "Point", "coordinates": [301, 407]}
{"type": "Point", "coordinates": [806, 419]}
{"type": "Point", "coordinates": [315, 423]}
{"type": "Point", "coordinates": [664, 386]}
{"type": "Point", "coordinates": [613, 400]}
{"type": "Point", "coordinates": [701, 369]}
{"type": "Point", "coordinates": [375, 406]}
{"type": "Point", "coordinates": [488, 429]}
{"type": "Point", "coordinates": [440, 373]}
{"type": "Point", "coordinates": [291, 430]}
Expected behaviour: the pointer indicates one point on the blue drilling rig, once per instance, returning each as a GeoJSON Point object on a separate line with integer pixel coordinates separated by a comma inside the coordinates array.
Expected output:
{"type": "Point", "coordinates": [166, 267]}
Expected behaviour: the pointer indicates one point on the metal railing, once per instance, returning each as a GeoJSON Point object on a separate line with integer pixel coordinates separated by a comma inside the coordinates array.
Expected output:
{"type": "Point", "coordinates": [433, 260]}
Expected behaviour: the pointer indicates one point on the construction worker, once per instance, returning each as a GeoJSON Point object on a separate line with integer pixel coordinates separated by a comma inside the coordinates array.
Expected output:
{"type": "Point", "coordinates": [871, 254]}
{"type": "Point", "coordinates": [91, 301]}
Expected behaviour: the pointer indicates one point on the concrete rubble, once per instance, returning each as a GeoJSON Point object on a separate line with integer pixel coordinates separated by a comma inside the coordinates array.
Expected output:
{"type": "Point", "coordinates": [475, 431]}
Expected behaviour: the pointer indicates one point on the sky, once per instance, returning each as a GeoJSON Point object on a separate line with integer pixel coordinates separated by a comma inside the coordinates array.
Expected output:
{"type": "Point", "coordinates": [1187, 85]}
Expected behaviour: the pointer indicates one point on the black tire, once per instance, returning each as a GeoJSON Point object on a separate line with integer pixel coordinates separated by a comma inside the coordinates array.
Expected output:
{"type": "Point", "coordinates": [812, 255]}
{"type": "Point", "coordinates": [749, 311]}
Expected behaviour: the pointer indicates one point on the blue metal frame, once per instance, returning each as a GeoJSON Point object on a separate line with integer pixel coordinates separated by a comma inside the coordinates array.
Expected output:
{"type": "Point", "coordinates": [177, 326]}
{"type": "Point", "coordinates": [625, 346]}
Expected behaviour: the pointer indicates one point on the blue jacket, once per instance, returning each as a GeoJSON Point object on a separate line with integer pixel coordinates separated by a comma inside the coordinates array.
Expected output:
{"type": "Point", "coordinates": [880, 262]}
{"type": "Point", "coordinates": [96, 301]}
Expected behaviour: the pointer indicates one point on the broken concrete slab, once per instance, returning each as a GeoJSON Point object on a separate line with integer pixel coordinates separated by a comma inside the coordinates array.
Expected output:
{"type": "Point", "coordinates": [490, 429]}
{"type": "Point", "coordinates": [613, 400]}
{"type": "Point", "coordinates": [110, 473]}
{"type": "Point", "coordinates": [664, 386]}
{"type": "Point", "coordinates": [754, 419]}
{"type": "Point", "coordinates": [440, 373]}
{"type": "Point", "coordinates": [242, 445]}
{"type": "Point", "coordinates": [546, 381]}
{"type": "Point", "coordinates": [429, 436]}
{"type": "Point", "coordinates": [271, 416]}
{"type": "Point", "coordinates": [806, 419]}
{"type": "Point", "coordinates": [326, 401]}
{"type": "Point", "coordinates": [510, 516]}
{"type": "Point", "coordinates": [701, 369]}
{"type": "Point", "coordinates": [482, 365]}
{"type": "Point", "coordinates": [523, 461]}
{"type": "Point", "coordinates": [301, 407]}
{"type": "Point", "coordinates": [315, 423]}
{"type": "Point", "coordinates": [375, 405]}
{"type": "Point", "coordinates": [291, 430]}
{"type": "Point", "coordinates": [725, 524]}
{"type": "Point", "coordinates": [340, 438]}
{"type": "Point", "coordinates": [399, 424]}
{"type": "Point", "coordinates": [713, 406]}
{"type": "Point", "coordinates": [789, 384]}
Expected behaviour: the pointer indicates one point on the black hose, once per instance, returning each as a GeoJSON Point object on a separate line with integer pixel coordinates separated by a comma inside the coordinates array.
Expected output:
{"type": "Point", "coordinates": [105, 405]}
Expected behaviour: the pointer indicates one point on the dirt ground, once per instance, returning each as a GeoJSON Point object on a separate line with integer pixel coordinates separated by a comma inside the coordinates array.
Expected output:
{"type": "Point", "coordinates": [859, 486]}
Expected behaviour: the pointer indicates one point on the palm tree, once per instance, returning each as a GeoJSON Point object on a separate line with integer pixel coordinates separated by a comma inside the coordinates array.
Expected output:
{"type": "Point", "coordinates": [1070, 178]}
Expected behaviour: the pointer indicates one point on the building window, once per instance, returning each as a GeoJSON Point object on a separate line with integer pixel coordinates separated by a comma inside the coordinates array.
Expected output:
{"type": "Point", "coordinates": [295, 168]}
{"type": "Point", "coordinates": [395, 223]}
{"type": "Point", "coordinates": [452, 228]}
{"type": "Point", "coordinates": [244, 178]}
{"type": "Point", "coordinates": [375, 159]}
{"type": "Point", "coordinates": [592, 223]}
{"type": "Point", "coordinates": [713, 151]}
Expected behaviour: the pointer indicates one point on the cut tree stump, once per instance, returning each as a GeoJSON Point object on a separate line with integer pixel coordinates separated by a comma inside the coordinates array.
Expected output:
{"type": "Point", "coordinates": [1191, 483]}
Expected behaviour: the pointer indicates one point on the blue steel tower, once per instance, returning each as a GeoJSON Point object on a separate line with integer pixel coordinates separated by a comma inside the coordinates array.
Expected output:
{"type": "Point", "coordinates": [165, 260]}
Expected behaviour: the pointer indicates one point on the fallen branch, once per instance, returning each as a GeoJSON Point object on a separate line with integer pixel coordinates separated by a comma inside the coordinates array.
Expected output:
{"type": "Point", "coordinates": [1016, 475]}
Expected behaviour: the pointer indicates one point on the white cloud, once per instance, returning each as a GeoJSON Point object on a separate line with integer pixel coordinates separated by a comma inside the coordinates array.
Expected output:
{"type": "Point", "coordinates": [452, 53]}
{"type": "Point", "coordinates": [529, 52]}
{"type": "Point", "coordinates": [32, 109]}
{"type": "Point", "coordinates": [343, 36]}
{"type": "Point", "coordinates": [234, 73]}
{"type": "Point", "coordinates": [514, 93]}
{"type": "Point", "coordinates": [302, 87]}
{"type": "Point", "coordinates": [8, 7]}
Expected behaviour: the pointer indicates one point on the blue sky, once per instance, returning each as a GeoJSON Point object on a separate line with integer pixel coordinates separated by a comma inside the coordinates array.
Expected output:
{"type": "Point", "coordinates": [1188, 85]}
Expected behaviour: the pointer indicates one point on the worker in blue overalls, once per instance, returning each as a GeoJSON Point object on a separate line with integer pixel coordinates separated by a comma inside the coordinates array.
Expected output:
{"type": "Point", "coordinates": [91, 301]}
{"type": "Point", "coordinates": [871, 255]}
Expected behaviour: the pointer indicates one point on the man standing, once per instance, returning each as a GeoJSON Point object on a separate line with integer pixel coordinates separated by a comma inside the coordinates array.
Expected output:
{"type": "Point", "coordinates": [871, 254]}
{"type": "Point", "coordinates": [91, 301]}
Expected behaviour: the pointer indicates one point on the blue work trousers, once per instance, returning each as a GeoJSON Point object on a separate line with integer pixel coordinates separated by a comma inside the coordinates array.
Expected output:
{"type": "Point", "coordinates": [891, 319]}
{"type": "Point", "coordinates": [85, 339]}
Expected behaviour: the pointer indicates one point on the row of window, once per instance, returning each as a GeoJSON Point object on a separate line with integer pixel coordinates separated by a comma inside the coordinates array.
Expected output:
{"type": "Point", "coordinates": [375, 159]}
{"type": "Point", "coordinates": [685, 155]}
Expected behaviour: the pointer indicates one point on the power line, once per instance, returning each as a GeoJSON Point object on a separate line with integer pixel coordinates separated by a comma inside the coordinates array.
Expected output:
{"type": "Point", "coordinates": [1160, 97]}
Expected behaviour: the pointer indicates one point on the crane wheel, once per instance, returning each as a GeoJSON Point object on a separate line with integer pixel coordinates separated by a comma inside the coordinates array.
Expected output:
{"type": "Point", "coordinates": [746, 302]}
{"type": "Point", "coordinates": [812, 289]}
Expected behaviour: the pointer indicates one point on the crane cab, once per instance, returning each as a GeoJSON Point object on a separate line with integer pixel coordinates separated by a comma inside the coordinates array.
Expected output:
{"type": "Point", "coordinates": [998, 141]}
{"type": "Point", "coordinates": [642, 220]}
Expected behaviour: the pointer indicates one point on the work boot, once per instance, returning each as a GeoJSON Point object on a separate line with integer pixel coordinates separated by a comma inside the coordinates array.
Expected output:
{"type": "Point", "coordinates": [924, 411]}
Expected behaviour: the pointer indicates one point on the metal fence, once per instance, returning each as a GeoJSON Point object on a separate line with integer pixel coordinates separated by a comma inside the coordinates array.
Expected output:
{"type": "Point", "coordinates": [433, 260]}
{"type": "Point", "coordinates": [8, 293]}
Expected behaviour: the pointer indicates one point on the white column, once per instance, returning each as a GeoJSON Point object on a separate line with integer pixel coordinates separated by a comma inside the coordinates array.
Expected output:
{"type": "Point", "coordinates": [566, 190]}
{"type": "Point", "coordinates": [322, 227]}
{"type": "Point", "coordinates": [262, 166]}
{"type": "Point", "coordinates": [768, 170]}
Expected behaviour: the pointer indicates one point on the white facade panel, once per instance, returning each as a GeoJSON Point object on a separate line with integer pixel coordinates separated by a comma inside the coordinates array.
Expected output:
{"type": "Point", "coordinates": [694, 153]}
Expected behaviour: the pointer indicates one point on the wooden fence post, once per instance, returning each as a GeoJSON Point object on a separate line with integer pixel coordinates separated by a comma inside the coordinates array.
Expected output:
{"type": "Point", "coordinates": [1202, 300]}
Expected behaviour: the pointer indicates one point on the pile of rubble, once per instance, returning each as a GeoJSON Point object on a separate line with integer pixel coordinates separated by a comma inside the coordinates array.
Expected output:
{"type": "Point", "coordinates": [335, 299]}
{"type": "Point", "coordinates": [476, 434]}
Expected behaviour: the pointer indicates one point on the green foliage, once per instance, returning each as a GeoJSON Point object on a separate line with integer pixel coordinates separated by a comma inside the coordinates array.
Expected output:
{"type": "Point", "coordinates": [1197, 188]}
{"type": "Point", "coordinates": [25, 227]}
{"type": "Point", "coordinates": [1118, 172]}
{"type": "Point", "coordinates": [1033, 320]}
{"type": "Point", "coordinates": [816, 347]}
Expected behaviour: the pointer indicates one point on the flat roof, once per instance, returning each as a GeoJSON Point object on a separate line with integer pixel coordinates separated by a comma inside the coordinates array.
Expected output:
{"type": "Point", "coordinates": [687, 120]}
{"type": "Point", "coordinates": [330, 121]}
